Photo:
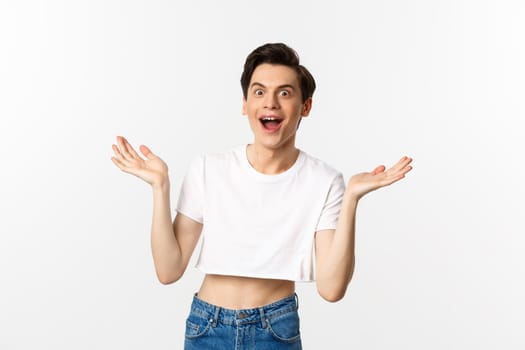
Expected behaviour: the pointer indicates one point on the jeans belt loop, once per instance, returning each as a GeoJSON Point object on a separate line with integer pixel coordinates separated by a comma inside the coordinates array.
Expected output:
{"type": "Point", "coordinates": [263, 317]}
{"type": "Point", "coordinates": [215, 317]}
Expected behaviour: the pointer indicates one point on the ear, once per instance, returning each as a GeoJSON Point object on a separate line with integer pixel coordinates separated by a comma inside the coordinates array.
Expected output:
{"type": "Point", "coordinates": [307, 107]}
{"type": "Point", "coordinates": [244, 109]}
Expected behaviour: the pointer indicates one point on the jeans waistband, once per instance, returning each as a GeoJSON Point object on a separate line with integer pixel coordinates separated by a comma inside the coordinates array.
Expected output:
{"type": "Point", "coordinates": [216, 314]}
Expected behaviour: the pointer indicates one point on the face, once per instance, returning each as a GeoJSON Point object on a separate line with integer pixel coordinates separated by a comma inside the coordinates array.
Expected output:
{"type": "Point", "coordinates": [274, 105]}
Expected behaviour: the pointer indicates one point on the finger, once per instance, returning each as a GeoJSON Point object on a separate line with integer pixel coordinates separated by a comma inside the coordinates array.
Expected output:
{"type": "Point", "coordinates": [130, 149]}
{"type": "Point", "coordinates": [401, 163]}
{"type": "Point", "coordinates": [390, 180]}
{"type": "Point", "coordinates": [118, 163]}
{"type": "Point", "coordinates": [405, 161]}
{"type": "Point", "coordinates": [406, 169]}
{"type": "Point", "coordinates": [123, 149]}
{"type": "Point", "coordinates": [398, 175]}
{"type": "Point", "coordinates": [399, 166]}
{"type": "Point", "coordinates": [147, 152]}
{"type": "Point", "coordinates": [394, 177]}
{"type": "Point", "coordinates": [127, 169]}
{"type": "Point", "coordinates": [118, 155]}
{"type": "Point", "coordinates": [116, 150]}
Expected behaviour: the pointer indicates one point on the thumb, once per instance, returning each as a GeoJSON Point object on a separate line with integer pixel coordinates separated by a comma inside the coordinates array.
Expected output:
{"type": "Point", "coordinates": [379, 169]}
{"type": "Point", "coordinates": [147, 152]}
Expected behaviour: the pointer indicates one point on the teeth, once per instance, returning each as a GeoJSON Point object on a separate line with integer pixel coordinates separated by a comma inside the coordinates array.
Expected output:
{"type": "Point", "coordinates": [268, 118]}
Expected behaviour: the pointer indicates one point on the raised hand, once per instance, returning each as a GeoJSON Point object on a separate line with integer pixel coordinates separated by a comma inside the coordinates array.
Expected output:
{"type": "Point", "coordinates": [363, 183]}
{"type": "Point", "coordinates": [153, 170]}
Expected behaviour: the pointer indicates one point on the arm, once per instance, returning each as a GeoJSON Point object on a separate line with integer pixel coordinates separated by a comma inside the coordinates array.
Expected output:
{"type": "Point", "coordinates": [335, 257]}
{"type": "Point", "coordinates": [172, 243]}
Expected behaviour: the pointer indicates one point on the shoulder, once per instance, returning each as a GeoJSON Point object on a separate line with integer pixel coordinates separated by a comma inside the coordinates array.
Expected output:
{"type": "Point", "coordinates": [319, 167]}
{"type": "Point", "coordinates": [217, 160]}
{"type": "Point", "coordinates": [222, 157]}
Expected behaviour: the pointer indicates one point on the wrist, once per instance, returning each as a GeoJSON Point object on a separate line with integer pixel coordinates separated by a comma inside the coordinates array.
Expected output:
{"type": "Point", "coordinates": [161, 185]}
{"type": "Point", "coordinates": [351, 197]}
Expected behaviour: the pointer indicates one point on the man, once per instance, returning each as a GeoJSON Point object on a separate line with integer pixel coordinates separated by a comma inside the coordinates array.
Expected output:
{"type": "Point", "coordinates": [262, 210]}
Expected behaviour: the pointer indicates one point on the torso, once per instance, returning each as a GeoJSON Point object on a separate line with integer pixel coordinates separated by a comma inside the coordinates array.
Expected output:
{"type": "Point", "coordinates": [234, 292]}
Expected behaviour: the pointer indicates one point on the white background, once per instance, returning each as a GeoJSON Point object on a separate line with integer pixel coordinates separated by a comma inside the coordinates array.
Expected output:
{"type": "Point", "coordinates": [439, 255]}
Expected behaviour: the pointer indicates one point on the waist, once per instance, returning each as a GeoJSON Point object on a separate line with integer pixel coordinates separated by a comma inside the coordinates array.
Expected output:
{"type": "Point", "coordinates": [235, 292]}
{"type": "Point", "coordinates": [244, 316]}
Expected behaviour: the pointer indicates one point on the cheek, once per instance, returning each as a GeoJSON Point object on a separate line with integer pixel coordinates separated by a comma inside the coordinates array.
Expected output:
{"type": "Point", "coordinates": [251, 110]}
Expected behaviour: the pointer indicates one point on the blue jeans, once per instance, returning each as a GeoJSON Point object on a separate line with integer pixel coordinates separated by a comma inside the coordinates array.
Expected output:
{"type": "Point", "coordinates": [270, 327]}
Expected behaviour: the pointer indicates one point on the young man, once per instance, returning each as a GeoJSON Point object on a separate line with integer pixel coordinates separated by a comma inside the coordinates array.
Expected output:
{"type": "Point", "coordinates": [269, 213]}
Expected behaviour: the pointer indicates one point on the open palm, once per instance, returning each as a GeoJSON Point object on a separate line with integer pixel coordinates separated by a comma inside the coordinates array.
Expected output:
{"type": "Point", "coordinates": [153, 170]}
{"type": "Point", "coordinates": [363, 183]}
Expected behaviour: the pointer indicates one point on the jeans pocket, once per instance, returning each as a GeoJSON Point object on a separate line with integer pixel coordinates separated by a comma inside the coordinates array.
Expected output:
{"type": "Point", "coordinates": [285, 327]}
{"type": "Point", "coordinates": [196, 326]}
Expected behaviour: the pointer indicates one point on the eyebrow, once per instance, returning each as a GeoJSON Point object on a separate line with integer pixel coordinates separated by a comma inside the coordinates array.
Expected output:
{"type": "Point", "coordinates": [279, 87]}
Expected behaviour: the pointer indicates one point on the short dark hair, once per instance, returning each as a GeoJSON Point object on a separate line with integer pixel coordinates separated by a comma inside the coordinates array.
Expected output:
{"type": "Point", "coordinates": [277, 53]}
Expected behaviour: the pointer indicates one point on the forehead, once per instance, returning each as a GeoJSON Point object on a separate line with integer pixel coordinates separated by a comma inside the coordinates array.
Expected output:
{"type": "Point", "coordinates": [274, 75]}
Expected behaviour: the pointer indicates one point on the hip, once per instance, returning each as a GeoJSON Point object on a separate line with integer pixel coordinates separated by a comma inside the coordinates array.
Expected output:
{"type": "Point", "coordinates": [272, 326]}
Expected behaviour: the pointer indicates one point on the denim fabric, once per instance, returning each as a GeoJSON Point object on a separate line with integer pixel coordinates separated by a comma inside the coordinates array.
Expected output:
{"type": "Point", "coordinates": [270, 327]}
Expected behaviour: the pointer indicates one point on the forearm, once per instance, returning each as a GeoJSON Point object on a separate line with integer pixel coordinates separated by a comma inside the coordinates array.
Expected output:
{"type": "Point", "coordinates": [165, 248]}
{"type": "Point", "coordinates": [337, 269]}
{"type": "Point", "coordinates": [336, 264]}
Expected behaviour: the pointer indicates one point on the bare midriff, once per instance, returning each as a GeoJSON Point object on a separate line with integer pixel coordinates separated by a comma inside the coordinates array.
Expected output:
{"type": "Point", "coordinates": [234, 292]}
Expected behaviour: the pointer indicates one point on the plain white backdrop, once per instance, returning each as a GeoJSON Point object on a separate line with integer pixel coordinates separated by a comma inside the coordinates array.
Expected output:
{"type": "Point", "coordinates": [439, 255]}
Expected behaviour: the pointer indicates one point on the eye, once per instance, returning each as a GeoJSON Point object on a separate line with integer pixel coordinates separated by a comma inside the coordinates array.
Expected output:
{"type": "Point", "coordinates": [284, 93]}
{"type": "Point", "coordinates": [258, 92]}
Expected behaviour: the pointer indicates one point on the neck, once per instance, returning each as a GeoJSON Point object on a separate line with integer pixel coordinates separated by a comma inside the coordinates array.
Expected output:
{"type": "Point", "coordinates": [271, 161]}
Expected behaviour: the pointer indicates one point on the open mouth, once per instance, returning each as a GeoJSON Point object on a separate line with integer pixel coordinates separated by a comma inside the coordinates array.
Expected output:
{"type": "Point", "coordinates": [271, 123]}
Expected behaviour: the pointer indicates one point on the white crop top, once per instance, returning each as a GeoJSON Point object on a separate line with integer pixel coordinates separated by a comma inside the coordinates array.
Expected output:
{"type": "Point", "coordinates": [258, 225]}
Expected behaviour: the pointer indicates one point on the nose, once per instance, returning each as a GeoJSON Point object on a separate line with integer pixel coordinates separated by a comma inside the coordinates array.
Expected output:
{"type": "Point", "coordinates": [271, 101]}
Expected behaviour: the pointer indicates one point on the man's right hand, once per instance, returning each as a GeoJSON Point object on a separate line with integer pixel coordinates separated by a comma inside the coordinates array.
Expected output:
{"type": "Point", "coordinates": [153, 170]}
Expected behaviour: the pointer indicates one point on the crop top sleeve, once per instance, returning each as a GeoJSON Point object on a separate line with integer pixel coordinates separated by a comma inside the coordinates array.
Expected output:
{"type": "Point", "coordinates": [332, 205]}
{"type": "Point", "coordinates": [191, 198]}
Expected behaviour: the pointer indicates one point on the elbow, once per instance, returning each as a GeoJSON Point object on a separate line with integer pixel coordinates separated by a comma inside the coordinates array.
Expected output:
{"type": "Point", "coordinates": [165, 281]}
{"type": "Point", "coordinates": [332, 296]}
{"type": "Point", "coordinates": [332, 292]}
{"type": "Point", "coordinates": [168, 278]}
{"type": "Point", "coordinates": [332, 285]}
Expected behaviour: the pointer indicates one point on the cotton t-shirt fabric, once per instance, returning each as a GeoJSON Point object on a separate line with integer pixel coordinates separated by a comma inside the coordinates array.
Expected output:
{"type": "Point", "coordinates": [259, 225]}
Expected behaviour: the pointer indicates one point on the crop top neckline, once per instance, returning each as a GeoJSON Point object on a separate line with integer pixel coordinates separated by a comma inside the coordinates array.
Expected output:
{"type": "Point", "coordinates": [251, 171]}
